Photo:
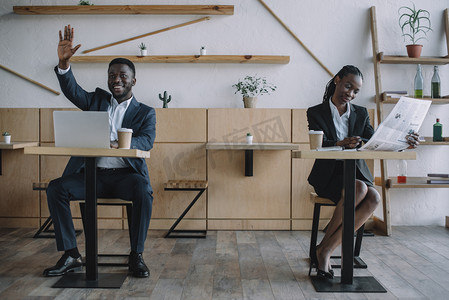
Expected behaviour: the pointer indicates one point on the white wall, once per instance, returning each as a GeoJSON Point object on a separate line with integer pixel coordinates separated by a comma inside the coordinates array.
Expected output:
{"type": "Point", "coordinates": [336, 31]}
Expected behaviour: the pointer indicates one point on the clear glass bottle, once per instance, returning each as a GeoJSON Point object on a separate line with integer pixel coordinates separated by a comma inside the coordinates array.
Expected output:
{"type": "Point", "coordinates": [437, 131]}
{"type": "Point", "coordinates": [419, 83]}
{"type": "Point", "coordinates": [402, 171]}
{"type": "Point", "coordinates": [435, 84]}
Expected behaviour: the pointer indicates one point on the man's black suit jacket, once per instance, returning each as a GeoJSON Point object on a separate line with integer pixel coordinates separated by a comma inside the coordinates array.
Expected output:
{"type": "Point", "coordinates": [139, 117]}
{"type": "Point", "coordinates": [320, 118]}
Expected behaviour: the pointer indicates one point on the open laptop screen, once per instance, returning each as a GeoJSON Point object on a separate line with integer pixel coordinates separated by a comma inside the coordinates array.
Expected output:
{"type": "Point", "coordinates": [81, 129]}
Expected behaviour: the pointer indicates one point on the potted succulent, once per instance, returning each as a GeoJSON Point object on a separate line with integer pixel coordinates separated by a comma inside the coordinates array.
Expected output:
{"type": "Point", "coordinates": [251, 87]}
{"type": "Point", "coordinates": [7, 137]}
{"type": "Point", "coordinates": [414, 23]}
{"type": "Point", "coordinates": [249, 138]}
{"type": "Point", "coordinates": [143, 49]}
{"type": "Point", "coordinates": [85, 2]}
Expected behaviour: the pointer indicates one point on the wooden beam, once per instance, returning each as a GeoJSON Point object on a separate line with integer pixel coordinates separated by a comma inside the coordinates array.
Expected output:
{"type": "Point", "coordinates": [29, 79]}
{"type": "Point", "coordinates": [236, 59]}
{"type": "Point", "coordinates": [297, 39]}
{"type": "Point", "coordinates": [125, 10]}
{"type": "Point", "coordinates": [148, 34]}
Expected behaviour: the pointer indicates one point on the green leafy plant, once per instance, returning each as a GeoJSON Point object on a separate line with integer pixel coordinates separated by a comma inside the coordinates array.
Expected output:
{"type": "Point", "coordinates": [414, 23]}
{"type": "Point", "coordinates": [248, 134]}
{"type": "Point", "coordinates": [6, 133]}
{"type": "Point", "coordinates": [142, 46]}
{"type": "Point", "coordinates": [85, 2]}
{"type": "Point", "coordinates": [253, 86]}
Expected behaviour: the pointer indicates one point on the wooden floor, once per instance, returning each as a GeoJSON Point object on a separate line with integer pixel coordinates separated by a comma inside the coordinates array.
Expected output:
{"type": "Point", "coordinates": [412, 264]}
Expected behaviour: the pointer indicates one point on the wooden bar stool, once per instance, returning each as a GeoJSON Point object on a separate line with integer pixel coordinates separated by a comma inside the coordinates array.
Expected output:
{"type": "Point", "coordinates": [42, 186]}
{"type": "Point", "coordinates": [44, 231]}
{"type": "Point", "coordinates": [318, 202]}
{"type": "Point", "coordinates": [129, 213]}
{"type": "Point", "coordinates": [186, 185]}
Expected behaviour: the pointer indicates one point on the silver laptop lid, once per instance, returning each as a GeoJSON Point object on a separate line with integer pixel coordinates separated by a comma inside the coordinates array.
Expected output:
{"type": "Point", "coordinates": [81, 129]}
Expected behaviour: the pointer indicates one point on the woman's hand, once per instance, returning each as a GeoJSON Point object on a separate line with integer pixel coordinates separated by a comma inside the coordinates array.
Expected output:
{"type": "Point", "coordinates": [350, 142]}
{"type": "Point", "coordinates": [412, 140]}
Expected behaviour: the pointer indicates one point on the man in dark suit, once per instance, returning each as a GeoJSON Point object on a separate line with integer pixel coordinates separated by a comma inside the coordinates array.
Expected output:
{"type": "Point", "coordinates": [125, 178]}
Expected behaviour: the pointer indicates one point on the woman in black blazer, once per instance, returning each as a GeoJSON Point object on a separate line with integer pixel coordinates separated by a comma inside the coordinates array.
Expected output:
{"type": "Point", "coordinates": [347, 125]}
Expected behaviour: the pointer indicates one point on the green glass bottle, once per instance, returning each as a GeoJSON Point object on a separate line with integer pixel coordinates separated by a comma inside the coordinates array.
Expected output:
{"type": "Point", "coordinates": [437, 131]}
{"type": "Point", "coordinates": [435, 84]}
{"type": "Point", "coordinates": [418, 83]}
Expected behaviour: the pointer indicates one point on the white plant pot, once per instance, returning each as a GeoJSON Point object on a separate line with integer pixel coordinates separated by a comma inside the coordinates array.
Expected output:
{"type": "Point", "coordinates": [143, 52]}
{"type": "Point", "coordinates": [7, 139]}
{"type": "Point", "coordinates": [202, 51]}
{"type": "Point", "coordinates": [249, 139]}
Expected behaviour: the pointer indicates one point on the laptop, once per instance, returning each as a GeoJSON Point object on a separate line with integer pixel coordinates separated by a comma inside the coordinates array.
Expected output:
{"type": "Point", "coordinates": [81, 129]}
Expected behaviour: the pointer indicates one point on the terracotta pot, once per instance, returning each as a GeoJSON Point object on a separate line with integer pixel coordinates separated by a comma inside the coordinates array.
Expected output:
{"type": "Point", "coordinates": [414, 51]}
{"type": "Point", "coordinates": [249, 102]}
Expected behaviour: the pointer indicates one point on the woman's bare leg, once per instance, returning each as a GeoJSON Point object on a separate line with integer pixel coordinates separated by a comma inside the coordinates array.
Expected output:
{"type": "Point", "coordinates": [332, 239]}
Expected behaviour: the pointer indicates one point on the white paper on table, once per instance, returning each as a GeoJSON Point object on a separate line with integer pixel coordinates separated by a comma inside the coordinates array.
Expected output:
{"type": "Point", "coordinates": [407, 116]}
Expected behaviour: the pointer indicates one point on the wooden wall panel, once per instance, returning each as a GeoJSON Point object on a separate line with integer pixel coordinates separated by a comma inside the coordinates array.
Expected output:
{"type": "Point", "coordinates": [232, 124]}
{"type": "Point", "coordinates": [300, 126]}
{"type": "Point", "coordinates": [46, 124]}
{"type": "Point", "coordinates": [232, 195]}
{"type": "Point", "coordinates": [249, 224]}
{"type": "Point", "coordinates": [170, 161]}
{"type": "Point", "coordinates": [22, 123]}
{"type": "Point", "coordinates": [302, 208]}
{"type": "Point", "coordinates": [19, 171]}
{"type": "Point", "coordinates": [52, 167]}
{"type": "Point", "coordinates": [184, 125]}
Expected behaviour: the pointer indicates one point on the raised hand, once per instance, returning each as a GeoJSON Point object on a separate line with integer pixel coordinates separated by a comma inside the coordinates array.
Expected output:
{"type": "Point", "coordinates": [65, 47]}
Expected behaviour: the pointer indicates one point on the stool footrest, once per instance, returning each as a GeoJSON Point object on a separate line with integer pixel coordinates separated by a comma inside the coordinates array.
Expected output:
{"type": "Point", "coordinates": [358, 263]}
{"type": "Point", "coordinates": [186, 234]}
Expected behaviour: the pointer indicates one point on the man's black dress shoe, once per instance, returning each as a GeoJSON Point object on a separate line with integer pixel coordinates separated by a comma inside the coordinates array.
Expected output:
{"type": "Point", "coordinates": [137, 266]}
{"type": "Point", "coordinates": [65, 264]}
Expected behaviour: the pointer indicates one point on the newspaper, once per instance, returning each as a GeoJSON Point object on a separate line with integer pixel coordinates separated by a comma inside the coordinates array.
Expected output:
{"type": "Point", "coordinates": [406, 117]}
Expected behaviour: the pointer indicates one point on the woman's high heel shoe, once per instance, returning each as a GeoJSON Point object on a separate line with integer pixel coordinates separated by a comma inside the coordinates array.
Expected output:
{"type": "Point", "coordinates": [320, 273]}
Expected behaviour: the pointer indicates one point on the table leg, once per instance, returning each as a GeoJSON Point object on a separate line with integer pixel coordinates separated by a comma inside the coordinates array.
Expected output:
{"type": "Point", "coordinates": [348, 283]}
{"type": "Point", "coordinates": [91, 279]}
{"type": "Point", "coordinates": [248, 162]}
{"type": "Point", "coordinates": [0, 161]}
{"type": "Point", "coordinates": [91, 219]}
{"type": "Point", "coordinates": [347, 245]}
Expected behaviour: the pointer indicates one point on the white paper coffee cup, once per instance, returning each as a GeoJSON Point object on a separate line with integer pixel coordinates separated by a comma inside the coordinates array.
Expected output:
{"type": "Point", "coordinates": [315, 139]}
{"type": "Point", "coordinates": [124, 138]}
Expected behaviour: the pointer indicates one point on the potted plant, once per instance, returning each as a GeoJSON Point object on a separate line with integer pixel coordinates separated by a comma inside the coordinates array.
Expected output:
{"type": "Point", "coordinates": [251, 87]}
{"type": "Point", "coordinates": [249, 138]}
{"type": "Point", "coordinates": [414, 25]}
{"type": "Point", "coordinates": [203, 50]}
{"type": "Point", "coordinates": [7, 137]}
{"type": "Point", "coordinates": [143, 49]}
{"type": "Point", "coordinates": [85, 2]}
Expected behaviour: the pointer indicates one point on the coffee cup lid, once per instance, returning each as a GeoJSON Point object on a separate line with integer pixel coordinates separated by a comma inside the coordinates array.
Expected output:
{"type": "Point", "coordinates": [125, 130]}
{"type": "Point", "coordinates": [316, 132]}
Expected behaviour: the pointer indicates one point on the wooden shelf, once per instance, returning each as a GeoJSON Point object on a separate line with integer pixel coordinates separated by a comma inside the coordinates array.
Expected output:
{"type": "Point", "coordinates": [125, 10]}
{"type": "Point", "coordinates": [17, 145]}
{"type": "Point", "coordinates": [413, 182]}
{"type": "Point", "coordinates": [393, 100]}
{"type": "Point", "coordinates": [389, 59]}
{"type": "Point", "coordinates": [232, 59]}
{"type": "Point", "coordinates": [254, 146]}
{"type": "Point", "coordinates": [428, 140]}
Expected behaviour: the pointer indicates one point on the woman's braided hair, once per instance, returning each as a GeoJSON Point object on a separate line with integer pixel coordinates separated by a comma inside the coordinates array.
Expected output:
{"type": "Point", "coordinates": [330, 87]}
